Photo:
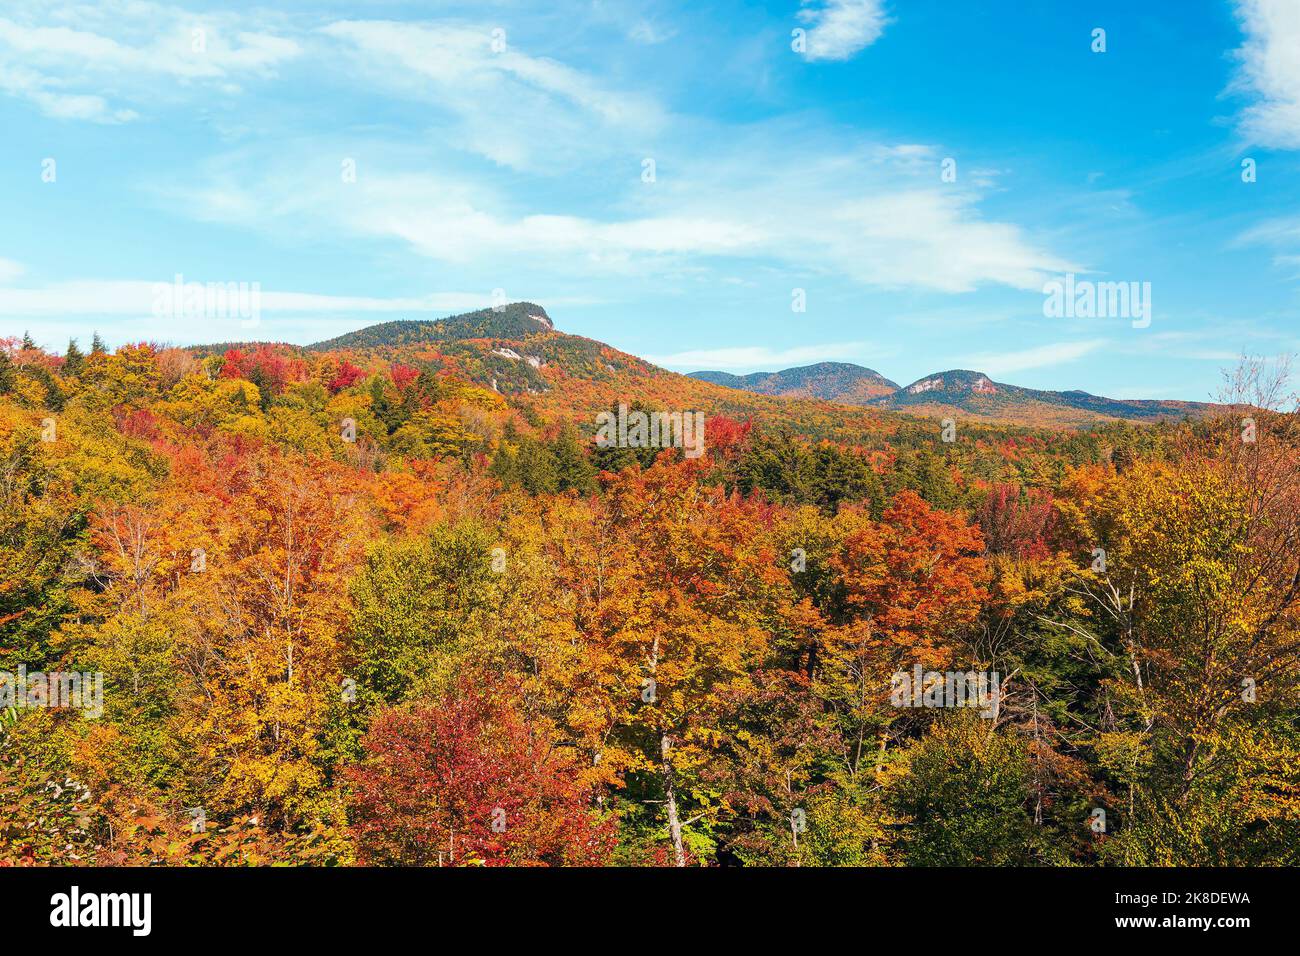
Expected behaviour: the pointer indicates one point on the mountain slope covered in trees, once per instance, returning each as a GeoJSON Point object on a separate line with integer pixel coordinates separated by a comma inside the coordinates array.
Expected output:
{"type": "Point", "coordinates": [516, 348]}
{"type": "Point", "coordinates": [962, 392]}
{"type": "Point", "coordinates": [956, 393]}
{"type": "Point", "coordinates": [836, 381]}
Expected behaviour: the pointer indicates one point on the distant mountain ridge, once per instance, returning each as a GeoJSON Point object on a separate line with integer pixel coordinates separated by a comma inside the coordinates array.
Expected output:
{"type": "Point", "coordinates": [956, 391]}
{"type": "Point", "coordinates": [834, 381]}
{"type": "Point", "coordinates": [515, 349]}
{"type": "Point", "coordinates": [974, 393]}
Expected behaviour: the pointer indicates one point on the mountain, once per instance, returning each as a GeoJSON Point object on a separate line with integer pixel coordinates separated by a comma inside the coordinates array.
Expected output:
{"type": "Point", "coordinates": [958, 392]}
{"type": "Point", "coordinates": [835, 381]}
{"type": "Point", "coordinates": [515, 320]}
{"type": "Point", "coordinates": [516, 351]}
{"type": "Point", "coordinates": [973, 394]}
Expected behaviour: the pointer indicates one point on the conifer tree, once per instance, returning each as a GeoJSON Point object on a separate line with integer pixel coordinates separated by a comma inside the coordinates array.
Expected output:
{"type": "Point", "coordinates": [73, 359]}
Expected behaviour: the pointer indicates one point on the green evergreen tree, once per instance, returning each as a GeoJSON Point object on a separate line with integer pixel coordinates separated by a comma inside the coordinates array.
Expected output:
{"type": "Point", "coordinates": [504, 467]}
{"type": "Point", "coordinates": [573, 468]}
{"type": "Point", "coordinates": [73, 359]}
{"type": "Point", "coordinates": [536, 466]}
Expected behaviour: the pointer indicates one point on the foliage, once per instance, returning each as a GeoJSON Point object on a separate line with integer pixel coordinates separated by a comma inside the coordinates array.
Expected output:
{"type": "Point", "coordinates": [352, 601]}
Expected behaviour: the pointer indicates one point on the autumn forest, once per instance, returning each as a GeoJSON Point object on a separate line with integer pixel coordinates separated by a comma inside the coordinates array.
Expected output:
{"type": "Point", "coordinates": [388, 600]}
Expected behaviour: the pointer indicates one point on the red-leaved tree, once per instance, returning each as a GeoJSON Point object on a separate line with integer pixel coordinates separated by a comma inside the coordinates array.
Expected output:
{"type": "Point", "coordinates": [465, 781]}
{"type": "Point", "coordinates": [1017, 523]}
{"type": "Point", "coordinates": [347, 376]}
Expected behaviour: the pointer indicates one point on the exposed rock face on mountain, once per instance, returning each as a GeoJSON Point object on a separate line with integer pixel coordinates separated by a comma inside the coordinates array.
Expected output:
{"type": "Point", "coordinates": [974, 382]}
{"type": "Point", "coordinates": [955, 392]}
{"type": "Point", "coordinates": [964, 392]}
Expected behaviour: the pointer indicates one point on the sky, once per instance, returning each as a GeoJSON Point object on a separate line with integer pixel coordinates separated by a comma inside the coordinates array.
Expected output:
{"type": "Point", "coordinates": [710, 185]}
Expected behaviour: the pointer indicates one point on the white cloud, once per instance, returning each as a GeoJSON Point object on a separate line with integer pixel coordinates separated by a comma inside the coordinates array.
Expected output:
{"type": "Point", "coordinates": [455, 232]}
{"type": "Point", "coordinates": [40, 89]}
{"type": "Point", "coordinates": [794, 196]}
{"type": "Point", "coordinates": [94, 297]}
{"type": "Point", "coordinates": [1270, 71]}
{"type": "Point", "coordinates": [761, 356]}
{"type": "Point", "coordinates": [932, 239]}
{"type": "Point", "coordinates": [872, 214]}
{"type": "Point", "coordinates": [644, 31]}
{"type": "Point", "coordinates": [1271, 232]}
{"type": "Point", "coordinates": [10, 270]}
{"type": "Point", "coordinates": [1282, 235]}
{"type": "Point", "coordinates": [840, 28]}
{"type": "Point", "coordinates": [58, 311]}
{"type": "Point", "coordinates": [132, 48]}
{"type": "Point", "coordinates": [1223, 342]}
{"type": "Point", "coordinates": [1043, 356]}
{"type": "Point", "coordinates": [518, 110]}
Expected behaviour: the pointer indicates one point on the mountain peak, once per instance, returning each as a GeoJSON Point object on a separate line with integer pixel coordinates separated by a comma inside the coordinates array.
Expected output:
{"type": "Point", "coordinates": [954, 380]}
{"type": "Point", "coordinates": [975, 394]}
{"type": "Point", "coordinates": [958, 390]}
{"type": "Point", "coordinates": [835, 381]}
{"type": "Point", "coordinates": [514, 320]}
{"type": "Point", "coordinates": [537, 314]}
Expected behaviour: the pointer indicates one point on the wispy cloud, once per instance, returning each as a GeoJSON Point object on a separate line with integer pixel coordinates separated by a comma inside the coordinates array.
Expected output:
{"type": "Point", "coordinates": [42, 90]}
{"type": "Point", "coordinates": [645, 31]}
{"type": "Point", "coordinates": [1043, 356]}
{"type": "Point", "coordinates": [130, 48]}
{"type": "Point", "coordinates": [1270, 71]}
{"type": "Point", "coordinates": [136, 297]}
{"type": "Point", "coordinates": [1271, 232]}
{"type": "Point", "coordinates": [840, 28]}
{"type": "Point", "coordinates": [55, 311]}
{"type": "Point", "coordinates": [1224, 343]}
{"type": "Point", "coordinates": [1282, 235]}
{"type": "Point", "coordinates": [763, 358]}
{"type": "Point", "coordinates": [478, 106]}
{"type": "Point", "coordinates": [886, 225]}
{"type": "Point", "coordinates": [515, 108]}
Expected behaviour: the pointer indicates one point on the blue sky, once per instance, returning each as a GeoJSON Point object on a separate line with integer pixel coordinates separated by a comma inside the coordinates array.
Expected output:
{"type": "Point", "coordinates": [504, 146]}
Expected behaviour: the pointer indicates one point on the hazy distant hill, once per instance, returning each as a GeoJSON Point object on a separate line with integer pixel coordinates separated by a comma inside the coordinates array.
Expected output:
{"type": "Point", "coordinates": [964, 392]}
{"type": "Point", "coordinates": [956, 392]}
{"type": "Point", "coordinates": [836, 381]}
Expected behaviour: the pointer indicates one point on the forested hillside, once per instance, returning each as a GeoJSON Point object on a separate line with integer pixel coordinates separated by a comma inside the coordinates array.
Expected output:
{"type": "Point", "coordinates": [389, 600]}
{"type": "Point", "coordinates": [837, 381]}
{"type": "Point", "coordinates": [964, 393]}
{"type": "Point", "coordinates": [958, 392]}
